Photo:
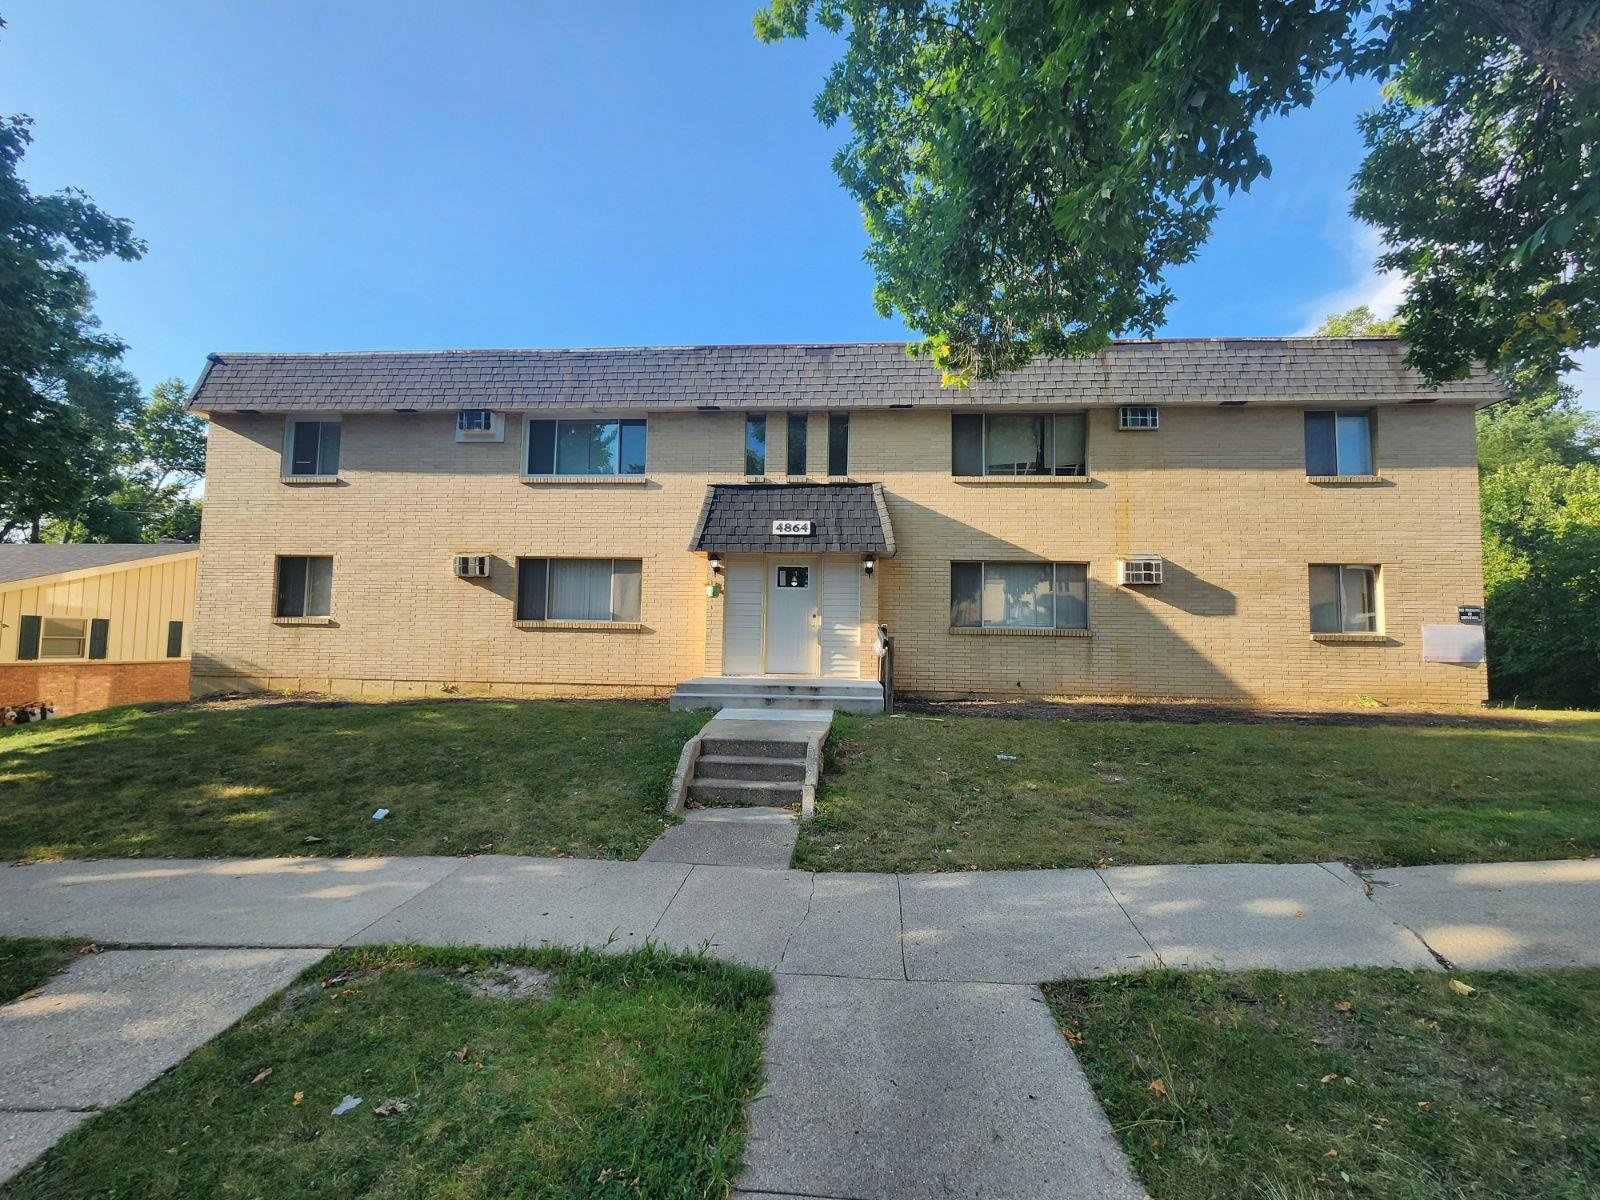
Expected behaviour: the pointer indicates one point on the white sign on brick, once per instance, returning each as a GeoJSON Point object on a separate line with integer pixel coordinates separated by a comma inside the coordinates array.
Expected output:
{"type": "Point", "coordinates": [791, 528]}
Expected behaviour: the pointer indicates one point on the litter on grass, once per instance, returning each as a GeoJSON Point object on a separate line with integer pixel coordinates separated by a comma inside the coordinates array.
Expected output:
{"type": "Point", "coordinates": [346, 1105]}
{"type": "Point", "coordinates": [1005, 758]}
{"type": "Point", "coordinates": [380, 814]}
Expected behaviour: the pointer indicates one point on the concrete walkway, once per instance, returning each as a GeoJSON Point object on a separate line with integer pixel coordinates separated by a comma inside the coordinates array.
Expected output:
{"type": "Point", "coordinates": [910, 1053]}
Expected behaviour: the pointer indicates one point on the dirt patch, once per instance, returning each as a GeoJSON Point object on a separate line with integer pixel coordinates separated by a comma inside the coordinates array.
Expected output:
{"type": "Point", "coordinates": [1203, 712]}
{"type": "Point", "coordinates": [503, 982]}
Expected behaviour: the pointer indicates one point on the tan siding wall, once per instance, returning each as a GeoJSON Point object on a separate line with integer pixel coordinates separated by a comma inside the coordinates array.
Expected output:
{"type": "Point", "coordinates": [1220, 493]}
{"type": "Point", "coordinates": [137, 600]}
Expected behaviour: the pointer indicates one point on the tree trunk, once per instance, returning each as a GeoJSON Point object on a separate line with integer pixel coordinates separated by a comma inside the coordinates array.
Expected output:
{"type": "Point", "coordinates": [1562, 36]}
{"type": "Point", "coordinates": [34, 536]}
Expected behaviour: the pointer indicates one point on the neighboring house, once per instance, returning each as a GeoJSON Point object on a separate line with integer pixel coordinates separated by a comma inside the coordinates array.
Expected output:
{"type": "Point", "coordinates": [1275, 518]}
{"type": "Point", "coordinates": [87, 626]}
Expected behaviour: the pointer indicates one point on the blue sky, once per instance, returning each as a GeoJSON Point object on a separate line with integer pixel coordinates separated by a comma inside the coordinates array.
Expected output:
{"type": "Point", "coordinates": [357, 175]}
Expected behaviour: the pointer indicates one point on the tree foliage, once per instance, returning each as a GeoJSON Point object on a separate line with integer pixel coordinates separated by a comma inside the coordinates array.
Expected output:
{"type": "Point", "coordinates": [1029, 170]}
{"type": "Point", "coordinates": [1359, 321]}
{"type": "Point", "coordinates": [1542, 581]}
{"type": "Point", "coordinates": [63, 397]}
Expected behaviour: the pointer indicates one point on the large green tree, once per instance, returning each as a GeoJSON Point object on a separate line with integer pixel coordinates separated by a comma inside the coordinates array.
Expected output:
{"type": "Point", "coordinates": [64, 399]}
{"type": "Point", "coordinates": [1028, 170]}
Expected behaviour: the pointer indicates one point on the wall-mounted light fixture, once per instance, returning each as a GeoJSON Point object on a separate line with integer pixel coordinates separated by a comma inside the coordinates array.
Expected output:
{"type": "Point", "coordinates": [716, 564]}
{"type": "Point", "coordinates": [869, 564]}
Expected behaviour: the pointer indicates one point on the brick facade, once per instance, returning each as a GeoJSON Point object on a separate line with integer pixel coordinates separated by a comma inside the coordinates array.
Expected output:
{"type": "Point", "coordinates": [76, 687]}
{"type": "Point", "coordinates": [1221, 493]}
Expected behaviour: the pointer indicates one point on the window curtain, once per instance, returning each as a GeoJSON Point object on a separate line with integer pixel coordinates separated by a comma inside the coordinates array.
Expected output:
{"type": "Point", "coordinates": [625, 589]}
{"type": "Point", "coordinates": [1016, 445]}
{"type": "Point", "coordinates": [580, 589]}
{"type": "Point", "coordinates": [1017, 595]}
{"type": "Point", "coordinates": [1072, 596]}
{"type": "Point", "coordinates": [1325, 600]}
{"type": "Point", "coordinates": [1071, 458]}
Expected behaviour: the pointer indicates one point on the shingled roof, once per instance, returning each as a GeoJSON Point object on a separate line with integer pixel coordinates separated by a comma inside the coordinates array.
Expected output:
{"type": "Point", "coordinates": [847, 518]}
{"type": "Point", "coordinates": [31, 560]}
{"type": "Point", "coordinates": [866, 375]}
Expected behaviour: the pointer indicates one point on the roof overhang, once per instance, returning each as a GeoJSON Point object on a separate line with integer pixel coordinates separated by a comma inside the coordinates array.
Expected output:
{"type": "Point", "coordinates": [834, 518]}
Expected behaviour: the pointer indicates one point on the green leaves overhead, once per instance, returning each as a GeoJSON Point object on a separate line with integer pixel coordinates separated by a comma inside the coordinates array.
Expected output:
{"type": "Point", "coordinates": [1029, 169]}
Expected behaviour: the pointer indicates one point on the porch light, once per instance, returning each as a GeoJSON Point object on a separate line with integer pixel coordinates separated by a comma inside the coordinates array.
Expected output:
{"type": "Point", "coordinates": [716, 564]}
{"type": "Point", "coordinates": [869, 564]}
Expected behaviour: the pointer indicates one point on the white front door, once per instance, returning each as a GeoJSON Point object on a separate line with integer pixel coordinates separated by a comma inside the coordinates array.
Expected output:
{"type": "Point", "coordinates": [794, 620]}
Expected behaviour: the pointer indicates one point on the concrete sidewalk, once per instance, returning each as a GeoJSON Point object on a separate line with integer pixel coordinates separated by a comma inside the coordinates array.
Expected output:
{"type": "Point", "coordinates": [969, 927]}
{"type": "Point", "coordinates": [910, 1052]}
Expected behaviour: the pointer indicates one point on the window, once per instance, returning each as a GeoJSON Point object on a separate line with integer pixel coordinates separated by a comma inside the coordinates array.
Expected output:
{"type": "Point", "coordinates": [796, 461]}
{"type": "Point", "coordinates": [305, 586]}
{"type": "Point", "coordinates": [991, 595]}
{"type": "Point", "coordinates": [839, 444]}
{"type": "Point", "coordinates": [1338, 443]}
{"type": "Point", "coordinates": [1138, 416]}
{"type": "Point", "coordinates": [755, 445]}
{"type": "Point", "coordinates": [1344, 599]}
{"type": "Point", "coordinates": [578, 589]}
{"type": "Point", "coordinates": [1018, 444]}
{"type": "Point", "coordinates": [63, 637]}
{"type": "Point", "coordinates": [474, 420]}
{"type": "Point", "coordinates": [313, 448]}
{"type": "Point", "coordinates": [174, 639]}
{"type": "Point", "coordinates": [603, 447]}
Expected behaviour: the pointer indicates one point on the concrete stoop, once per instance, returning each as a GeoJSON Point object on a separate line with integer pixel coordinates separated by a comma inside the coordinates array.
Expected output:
{"type": "Point", "coordinates": [862, 696]}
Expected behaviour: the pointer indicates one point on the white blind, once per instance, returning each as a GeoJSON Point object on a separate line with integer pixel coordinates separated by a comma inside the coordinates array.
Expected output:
{"type": "Point", "coordinates": [580, 589]}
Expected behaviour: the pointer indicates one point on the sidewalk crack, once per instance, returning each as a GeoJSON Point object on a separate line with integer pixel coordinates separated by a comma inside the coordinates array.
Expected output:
{"type": "Point", "coordinates": [411, 899]}
{"type": "Point", "coordinates": [803, 918]}
{"type": "Point", "coordinates": [682, 883]}
{"type": "Point", "coordinates": [900, 907]}
{"type": "Point", "coordinates": [1123, 909]}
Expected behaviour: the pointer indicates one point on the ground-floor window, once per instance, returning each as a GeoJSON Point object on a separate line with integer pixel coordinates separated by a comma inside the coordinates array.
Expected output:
{"type": "Point", "coordinates": [578, 589]}
{"type": "Point", "coordinates": [62, 637]}
{"type": "Point", "coordinates": [1019, 595]}
{"type": "Point", "coordinates": [305, 586]}
{"type": "Point", "coordinates": [1344, 599]}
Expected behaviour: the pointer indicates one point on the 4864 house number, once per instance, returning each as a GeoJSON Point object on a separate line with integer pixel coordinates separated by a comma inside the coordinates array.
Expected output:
{"type": "Point", "coordinates": [791, 528]}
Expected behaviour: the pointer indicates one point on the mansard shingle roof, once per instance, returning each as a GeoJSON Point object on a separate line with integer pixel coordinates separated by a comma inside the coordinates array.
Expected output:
{"type": "Point", "coordinates": [865, 375]}
{"type": "Point", "coordinates": [846, 518]}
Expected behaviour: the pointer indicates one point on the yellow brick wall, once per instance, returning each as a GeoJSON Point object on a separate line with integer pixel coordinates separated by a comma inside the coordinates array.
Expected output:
{"type": "Point", "coordinates": [1219, 493]}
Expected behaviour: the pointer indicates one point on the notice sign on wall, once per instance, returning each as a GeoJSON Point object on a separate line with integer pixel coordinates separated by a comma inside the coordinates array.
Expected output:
{"type": "Point", "coordinates": [791, 528]}
{"type": "Point", "coordinates": [1461, 644]}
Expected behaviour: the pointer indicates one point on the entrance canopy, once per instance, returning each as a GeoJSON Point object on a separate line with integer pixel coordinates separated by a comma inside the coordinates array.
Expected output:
{"type": "Point", "coordinates": [794, 518]}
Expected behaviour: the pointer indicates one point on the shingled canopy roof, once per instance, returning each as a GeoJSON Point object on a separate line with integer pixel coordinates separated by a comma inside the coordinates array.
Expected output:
{"type": "Point", "coordinates": [34, 560]}
{"type": "Point", "coordinates": [866, 375]}
{"type": "Point", "coordinates": [846, 518]}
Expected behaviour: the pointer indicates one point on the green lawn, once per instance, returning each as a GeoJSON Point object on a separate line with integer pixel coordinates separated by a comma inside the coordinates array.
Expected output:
{"type": "Point", "coordinates": [25, 963]}
{"type": "Point", "coordinates": [919, 794]}
{"type": "Point", "coordinates": [211, 780]}
{"type": "Point", "coordinates": [1370, 1083]}
{"type": "Point", "coordinates": [627, 1076]}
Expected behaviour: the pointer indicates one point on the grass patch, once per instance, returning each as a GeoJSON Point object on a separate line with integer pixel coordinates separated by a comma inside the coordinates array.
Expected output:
{"type": "Point", "coordinates": [459, 777]}
{"type": "Point", "coordinates": [913, 794]}
{"type": "Point", "coordinates": [627, 1076]}
{"type": "Point", "coordinates": [1432, 1096]}
{"type": "Point", "coordinates": [25, 963]}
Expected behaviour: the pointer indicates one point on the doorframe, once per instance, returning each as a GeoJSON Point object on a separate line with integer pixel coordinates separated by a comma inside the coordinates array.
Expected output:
{"type": "Point", "coordinates": [769, 563]}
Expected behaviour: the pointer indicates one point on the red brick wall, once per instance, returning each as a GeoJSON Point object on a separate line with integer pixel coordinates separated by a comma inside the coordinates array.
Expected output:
{"type": "Point", "coordinates": [75, 687]}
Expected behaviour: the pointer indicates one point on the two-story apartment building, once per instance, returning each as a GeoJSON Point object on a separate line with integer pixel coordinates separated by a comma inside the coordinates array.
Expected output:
{"type": "Point", "coordinates": [1281, 519]}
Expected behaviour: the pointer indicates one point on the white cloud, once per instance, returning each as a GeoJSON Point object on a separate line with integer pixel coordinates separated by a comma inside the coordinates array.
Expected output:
{"type": "Point", "coordinates": [1381, 291]}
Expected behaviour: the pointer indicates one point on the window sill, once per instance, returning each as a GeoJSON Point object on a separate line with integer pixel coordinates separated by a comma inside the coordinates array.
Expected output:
{"type": "Point", "coordinates": [1351, 639]}
{"type": "Point", "coordinates": [587, 626]}
{"type": "Point", "coordinates": [996, 631]}
{"type": "Point", "coordinates": [1025, 480]}
{"type": "Point", "coordinates": [1345, 480]}
{"type": "Point", "coordinates": [311, 480]}
{"type": "Point", "coordinates": [302, 620]}
{"type": "Point", "coordinates": [535, 480]}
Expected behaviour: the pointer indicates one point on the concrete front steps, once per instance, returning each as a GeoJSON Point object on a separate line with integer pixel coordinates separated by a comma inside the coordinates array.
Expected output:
{"type": "Point", "coordinates": [766, 770]}
{"type": "Point", "coordinates": [779, 691]}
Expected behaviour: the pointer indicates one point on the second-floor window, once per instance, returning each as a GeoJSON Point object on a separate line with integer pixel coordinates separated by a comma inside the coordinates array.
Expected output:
{"type": "Point", "coordinates": [839, 444]}
{"type": "Point", "coordinates": [1019, 595]}
{"type": "Point", "coordinates": [1339, 443]}
{"type": "Point", "coordinates": [1344, 599]}
{"type": "Point", "coordinates": [590, 447]}
{"type": "Point", "coordinates": [755, 445]}
{"type": "Point", "coordinates": [305, 586]}
{"type": "Point", "coordinates": [313, 448]}
{"type": "Point", "coordinates": [796, 459]}
{"type": "Point", "coordinates": [1018, 444]}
